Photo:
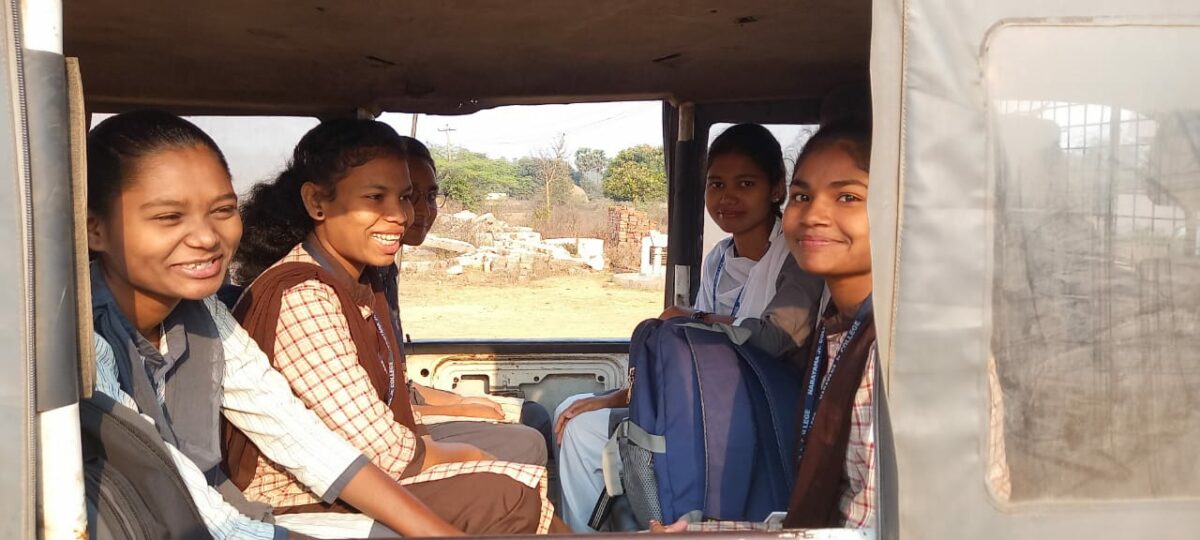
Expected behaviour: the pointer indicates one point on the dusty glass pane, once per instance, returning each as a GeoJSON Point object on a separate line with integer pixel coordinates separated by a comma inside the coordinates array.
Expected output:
{"type": "Point", "coordinates": [1096, 267]}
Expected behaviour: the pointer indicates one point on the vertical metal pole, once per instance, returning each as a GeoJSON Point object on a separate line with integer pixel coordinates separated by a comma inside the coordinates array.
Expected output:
{"type": "Point", "coordinates": [60, 472]}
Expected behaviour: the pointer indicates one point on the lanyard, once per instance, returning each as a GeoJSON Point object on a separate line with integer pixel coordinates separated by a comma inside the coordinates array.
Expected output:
{"type": "Point", "coordinates": [390, 365]}
{"type": "Point", "coordinates": [737, 303]}
{"type": "Point", "coordinates": [813, 394]}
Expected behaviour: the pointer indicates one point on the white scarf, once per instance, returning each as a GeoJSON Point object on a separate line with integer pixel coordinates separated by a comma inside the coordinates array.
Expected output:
{"type": "Point", "coordinates": [747, 284]}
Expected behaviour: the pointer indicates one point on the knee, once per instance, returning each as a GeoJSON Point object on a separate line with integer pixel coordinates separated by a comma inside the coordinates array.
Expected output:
{"type": "Point", "coordinates": [522, 508]}
{"type": "Point", "coordinates": [534, 415]}
{"type": "Point", "coordinates": [533, 445]}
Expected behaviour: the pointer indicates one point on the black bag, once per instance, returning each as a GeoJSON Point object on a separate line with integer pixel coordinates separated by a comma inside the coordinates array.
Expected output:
{"type": "Point", "coordinates": [134, 491]}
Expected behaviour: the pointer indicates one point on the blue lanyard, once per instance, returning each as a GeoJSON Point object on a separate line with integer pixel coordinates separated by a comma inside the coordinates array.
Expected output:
{"type": "Point", "coordinates": [390, 365]}
{"type": "Point", "coordinates": [737, 303]}
{"type": "Point", "coordinates": [813, 394]}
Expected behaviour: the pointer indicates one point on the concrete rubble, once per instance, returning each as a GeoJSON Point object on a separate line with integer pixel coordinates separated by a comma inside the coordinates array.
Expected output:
{"type": "Point", "coordinates": [496, 246]}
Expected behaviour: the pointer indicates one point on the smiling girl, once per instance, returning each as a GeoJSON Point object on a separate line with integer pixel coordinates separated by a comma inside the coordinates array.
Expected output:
{"type": "Point", "coordinates": [320, 262]}
{"type": "Point", "coordinates": [828, 234]}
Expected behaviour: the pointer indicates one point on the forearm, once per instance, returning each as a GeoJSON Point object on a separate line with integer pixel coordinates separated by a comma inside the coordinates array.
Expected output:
{"type": "Point", "coordinates": [433, 396]}
{"type": "Point", "coordinates": [376, 494]}
{"type": "Point", "coordinates": [713, 318]}
{"type": "Point", "coordinates": [459, 409]}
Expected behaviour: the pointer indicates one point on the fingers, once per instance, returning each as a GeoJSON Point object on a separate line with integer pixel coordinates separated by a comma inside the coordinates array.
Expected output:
{"type": "Point", "coordinates": [677, 527]}
{"type": "Point", "coordinates": [561, 424]}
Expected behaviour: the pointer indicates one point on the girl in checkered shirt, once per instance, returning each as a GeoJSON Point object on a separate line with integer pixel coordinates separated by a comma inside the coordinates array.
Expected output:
{"type": "Point", "coordinates": [319, 261]}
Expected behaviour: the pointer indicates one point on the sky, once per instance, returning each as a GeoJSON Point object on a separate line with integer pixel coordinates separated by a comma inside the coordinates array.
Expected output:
{"type": "Point", "coordinates": [257, 148]}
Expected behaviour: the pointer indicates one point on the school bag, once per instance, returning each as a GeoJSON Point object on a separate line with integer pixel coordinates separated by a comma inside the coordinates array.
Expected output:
{"type": "Point", "coordinates": [133, 489]}
{"type": "Point", "coordinates": [711, 428]}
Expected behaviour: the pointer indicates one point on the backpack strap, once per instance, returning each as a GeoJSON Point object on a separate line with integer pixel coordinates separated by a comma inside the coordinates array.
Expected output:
{"type": "Point", "coordinates": [132, 486]}
{"type": "Point", "coordinates": [610, 460]}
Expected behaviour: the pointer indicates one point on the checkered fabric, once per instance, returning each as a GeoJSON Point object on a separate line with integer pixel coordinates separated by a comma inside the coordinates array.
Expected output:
{"type": "Point", "coordinates": [315, 353]}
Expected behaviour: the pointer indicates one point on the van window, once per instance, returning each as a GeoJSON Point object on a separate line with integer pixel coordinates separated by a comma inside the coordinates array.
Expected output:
{"type": "Point", "coordinates": [552, 223]}
{"type": "Point", "coordinates": [1095, 324]}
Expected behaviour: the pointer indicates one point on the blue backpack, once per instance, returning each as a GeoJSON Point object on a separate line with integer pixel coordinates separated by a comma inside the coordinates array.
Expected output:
{"type": "Point", "coordinates": [711, 428]}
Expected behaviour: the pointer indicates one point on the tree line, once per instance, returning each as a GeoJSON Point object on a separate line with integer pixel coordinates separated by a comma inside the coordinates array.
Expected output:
{"type": "Point", "coordinates": [549, 175]}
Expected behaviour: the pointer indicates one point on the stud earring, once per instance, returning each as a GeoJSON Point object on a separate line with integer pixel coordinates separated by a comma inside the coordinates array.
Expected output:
{"type": "Point", "coordinates": [320, 215]}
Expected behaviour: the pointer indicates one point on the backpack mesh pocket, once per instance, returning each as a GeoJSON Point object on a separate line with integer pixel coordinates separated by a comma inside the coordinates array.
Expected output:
{"type": "Point", "coordinates": [641, 486]}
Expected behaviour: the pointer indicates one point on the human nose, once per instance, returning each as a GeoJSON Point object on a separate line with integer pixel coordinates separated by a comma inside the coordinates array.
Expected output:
{"type": "Point", "coordinates": [817, 212]}
{"type": "Point", "coordinates": [203, 235]}
{"type": "Point", "coordinates": [401, 211]}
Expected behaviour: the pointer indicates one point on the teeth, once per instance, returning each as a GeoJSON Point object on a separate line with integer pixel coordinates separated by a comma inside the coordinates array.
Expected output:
{"type": "Point", "coordinates": [197, 266]}
{"type": "Point", "coordinates": [386, 238]}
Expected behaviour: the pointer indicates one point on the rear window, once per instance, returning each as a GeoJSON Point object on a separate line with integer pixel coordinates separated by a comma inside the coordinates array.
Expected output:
{"type": "Point", "coordinates": [1095, 368]}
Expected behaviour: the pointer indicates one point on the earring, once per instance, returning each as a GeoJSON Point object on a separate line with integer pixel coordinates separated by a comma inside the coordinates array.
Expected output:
{"type": "Point", "coordinates": [320, 215]}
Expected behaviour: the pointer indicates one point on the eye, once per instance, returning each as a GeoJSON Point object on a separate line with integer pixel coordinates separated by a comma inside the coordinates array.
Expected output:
{"type": "Point", "coordinates": [374, 196]}
{"type": "Point", "coordinates": [801, 197]}
{"type": "Point", "coordinates": [716, 185]}
{"type": "Point", "coordinates": [746, 183]}
{"type": "Point", "coordinates": [225, 211]}
{"type": "Point", "coordinates": [169, 218]}
{"type": "Point", "coordinates": [848, 198]}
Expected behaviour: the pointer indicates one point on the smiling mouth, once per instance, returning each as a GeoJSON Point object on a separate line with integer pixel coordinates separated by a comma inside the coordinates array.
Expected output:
{"type": "Point", "coordinates": [387, 240]}
{"type": "Point", "coordinates": [201, 269]}
{"type": "Point", "coordinates": [813, 241]}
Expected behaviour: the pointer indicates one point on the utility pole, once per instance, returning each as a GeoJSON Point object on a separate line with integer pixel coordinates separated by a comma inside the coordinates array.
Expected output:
{"type": "Point", "coordinates": [413, 133]}
{"type": "Point", "coordinates": [449, 149]}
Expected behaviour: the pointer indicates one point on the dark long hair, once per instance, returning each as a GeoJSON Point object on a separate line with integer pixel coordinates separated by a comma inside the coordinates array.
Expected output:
{"type": "Point", "coordinates": [418, 150]}
{"type": "Point", "coordinates": [274, 217]}
{"type": "Point", "coordinates": [116, 146]}
{"type": "Point", "coordinates": [756, 143]}
{"type": "Point", "coordinates": [852, 136]}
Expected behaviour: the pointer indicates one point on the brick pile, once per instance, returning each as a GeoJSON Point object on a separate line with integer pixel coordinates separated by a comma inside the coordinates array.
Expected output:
{"type": "Point", "coordinates": [627, 226]}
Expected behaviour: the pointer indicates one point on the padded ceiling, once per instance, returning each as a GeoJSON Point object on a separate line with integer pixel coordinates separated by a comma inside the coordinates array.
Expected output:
{"type": "Point", "coordinates": [331, 57]}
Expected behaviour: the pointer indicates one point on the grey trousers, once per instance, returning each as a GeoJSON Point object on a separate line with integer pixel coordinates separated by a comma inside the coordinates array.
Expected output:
{"type": "Point", "coordinates": [508, 442]}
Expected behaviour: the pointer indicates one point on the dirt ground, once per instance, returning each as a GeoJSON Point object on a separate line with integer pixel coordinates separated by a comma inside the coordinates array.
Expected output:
{"type": "Point", "coordinates": [476, 305]}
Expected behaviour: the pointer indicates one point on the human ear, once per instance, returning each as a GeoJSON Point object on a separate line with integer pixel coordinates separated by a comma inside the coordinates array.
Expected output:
{"type": "Point", "coordinates": [97, 235]}
{"type": "Point", "coordinates": [314, 201]}
{"type": "Point", "coordinates": [778, 193]}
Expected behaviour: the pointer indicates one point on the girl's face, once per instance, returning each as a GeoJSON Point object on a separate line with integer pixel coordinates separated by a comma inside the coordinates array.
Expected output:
{"type": "Point", "coordinates": [424, 202]}
{"type": "Point", "coordinates": [825, 222]}
{"type": "Point", "coordinates": [738, 194]}
{"type": "Point", "coordinates": [172, 231]}
{"type": "Point", "coordinates": [368, 214]}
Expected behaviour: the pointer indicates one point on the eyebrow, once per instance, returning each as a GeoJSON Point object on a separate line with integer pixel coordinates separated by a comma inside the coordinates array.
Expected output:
{"type": "Point", "coordinates": [836, 183]}
{"type": "Point", "coordinates": [848, 182]}
{"type": "Point", "coordinates": [735, 177]}
{"type": "Point", "coordinates": [164, 202]}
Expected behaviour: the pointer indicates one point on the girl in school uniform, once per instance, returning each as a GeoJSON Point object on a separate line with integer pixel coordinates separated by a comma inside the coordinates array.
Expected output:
{"type": "Point", "coordinates": [321, 302]}
{"type": "Point", "coordinates": [748, 279]}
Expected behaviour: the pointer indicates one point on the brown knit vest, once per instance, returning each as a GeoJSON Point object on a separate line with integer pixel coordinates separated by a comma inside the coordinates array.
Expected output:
{"type": "Point", "coordinates": [258, 312]}
{"type": "Point", "coordinates": [814, 500]}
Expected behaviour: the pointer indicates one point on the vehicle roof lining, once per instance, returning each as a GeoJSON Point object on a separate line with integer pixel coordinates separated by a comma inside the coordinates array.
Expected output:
{"type": "Point", "coordinates": [320, 58]}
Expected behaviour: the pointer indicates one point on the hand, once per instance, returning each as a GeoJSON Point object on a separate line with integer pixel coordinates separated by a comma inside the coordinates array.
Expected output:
{"type": "Point", "coordinates": [485, 402]}
{"type": "Point", "coordinates": [678, 526]}
{"type": "Point", "coordinates": [580, 406]}
{"type": "Point", "coordinates": [437, 453]}
{"type": "Point", "coordinates": [676, 311]}
{"type": "Point", "coordinates": [476, 410]}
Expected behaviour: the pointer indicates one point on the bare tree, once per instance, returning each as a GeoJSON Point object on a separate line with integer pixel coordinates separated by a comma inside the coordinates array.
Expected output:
{"type": "Point", "coordinates": [552, 172]}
